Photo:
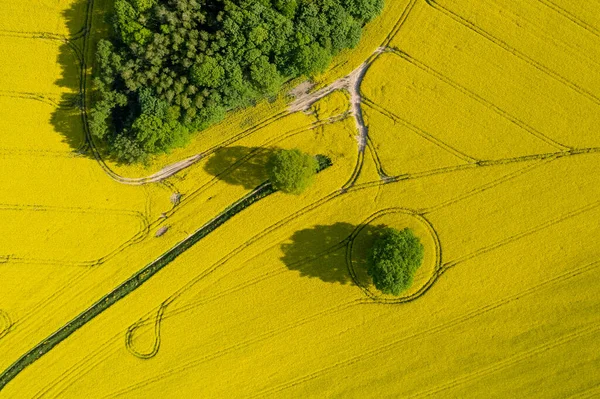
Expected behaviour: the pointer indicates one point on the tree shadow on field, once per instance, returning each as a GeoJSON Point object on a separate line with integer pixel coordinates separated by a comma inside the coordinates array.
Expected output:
{"type": "Point", "coordinates": [240, 166]}
{"type": "Point", "coordinates": [320, 251]}
{"type": "Point", "coordinates": [67, 117]}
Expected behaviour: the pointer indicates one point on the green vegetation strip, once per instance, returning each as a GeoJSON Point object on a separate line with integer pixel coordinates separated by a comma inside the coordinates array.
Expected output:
{"type": "Point", "coordinates": [140, 278]}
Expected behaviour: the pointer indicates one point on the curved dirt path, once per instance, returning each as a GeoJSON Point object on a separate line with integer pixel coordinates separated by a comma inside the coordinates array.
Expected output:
{"type": "Point", "coordinates": [351, 83]}
{"type": "Point", "coordinates": [303, 102]}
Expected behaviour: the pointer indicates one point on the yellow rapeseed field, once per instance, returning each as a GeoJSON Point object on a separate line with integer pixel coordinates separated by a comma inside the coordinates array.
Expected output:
{"type": "Point", "coordinates": [42, 17]}
{"type": "Point", "coordinates": [480, 134]}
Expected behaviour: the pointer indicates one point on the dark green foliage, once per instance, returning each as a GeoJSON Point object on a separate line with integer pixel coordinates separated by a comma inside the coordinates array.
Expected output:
{"type": "Point", "coordinates": [292, 171]}
{"type": "Point", "coordinates": [196, 59]}
{"type": "Point", "coordinates": [364, 10]}
{"type": "Point", "coordinates": [394, 259]}
{"type": "Point", "coordinates": [207, 73]}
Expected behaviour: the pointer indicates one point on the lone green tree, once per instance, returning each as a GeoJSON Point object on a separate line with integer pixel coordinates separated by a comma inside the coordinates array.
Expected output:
{"type": "Point", "coordinates": [291, 171]}
{"type": "Point", "coordinates": [394, 259]}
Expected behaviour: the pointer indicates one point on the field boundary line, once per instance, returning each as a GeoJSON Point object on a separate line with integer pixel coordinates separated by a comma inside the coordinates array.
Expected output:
{"type": "Point", "coordinates": [139, 278]}
{"type": "Point", "coordinates": [128, 286]}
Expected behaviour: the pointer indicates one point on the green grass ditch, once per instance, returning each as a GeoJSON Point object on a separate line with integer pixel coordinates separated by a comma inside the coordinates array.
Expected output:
{"type": "Point", "coordinates": [263, 190]}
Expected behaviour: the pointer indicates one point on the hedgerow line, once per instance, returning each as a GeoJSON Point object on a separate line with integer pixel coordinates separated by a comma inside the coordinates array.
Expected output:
{"type": "Point", "coordinates": [123, 289]}
{"type": "Point", "coordinates": [138, 279]}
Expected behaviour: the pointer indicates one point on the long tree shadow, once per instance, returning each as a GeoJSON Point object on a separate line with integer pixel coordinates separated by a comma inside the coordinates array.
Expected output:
{"type": "Point", "coordinates": [238, 165]}
{"type": "Point", "coordinates": [67, 117]}
{"type": "Point", "coordinates": [320, 252]}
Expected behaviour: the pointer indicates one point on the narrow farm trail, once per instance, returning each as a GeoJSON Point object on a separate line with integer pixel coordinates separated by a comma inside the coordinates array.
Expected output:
{"type": "Point", "coordinates": [302, 103]}
{"type": "Point", "coordinates": [351, 83]}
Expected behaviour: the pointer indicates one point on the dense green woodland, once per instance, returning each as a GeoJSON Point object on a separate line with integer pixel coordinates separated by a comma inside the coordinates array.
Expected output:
{"type": "Point", "coordinates": [173, 67]}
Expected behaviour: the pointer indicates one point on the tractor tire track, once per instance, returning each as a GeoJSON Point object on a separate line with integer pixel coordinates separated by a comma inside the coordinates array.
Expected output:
{"type": "Point", "coordinates": [554, 75]}
{"type": "Point", "coordinates": [556, 8]}
{"type": "Point", "coordinates": [535, 133]}
{"type": "Point", "coordinates": [510, 361]}
{"type": "Point", "coordinates": [427, 136]}
{"type": "Point", "coordinates": [433, 330]}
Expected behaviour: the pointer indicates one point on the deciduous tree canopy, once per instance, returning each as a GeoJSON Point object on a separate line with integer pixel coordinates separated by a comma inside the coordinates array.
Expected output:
{"type": "Point", "coordinates": [292, 171]}
{"type": "Point", "coordinates": [394, 259]}
{"type": "Point", "coordinates": [176, 66]}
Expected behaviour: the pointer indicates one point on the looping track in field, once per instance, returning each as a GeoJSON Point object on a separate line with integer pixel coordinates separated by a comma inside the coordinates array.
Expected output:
{"type": "Point", "coordinates": [403, 298]}
{"type": "Point", "coordinates": [141, 233]}
{"type": "Point", "coordinates": [131, 331]}
{"type": "Point", "coordinates": [352, 84]}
